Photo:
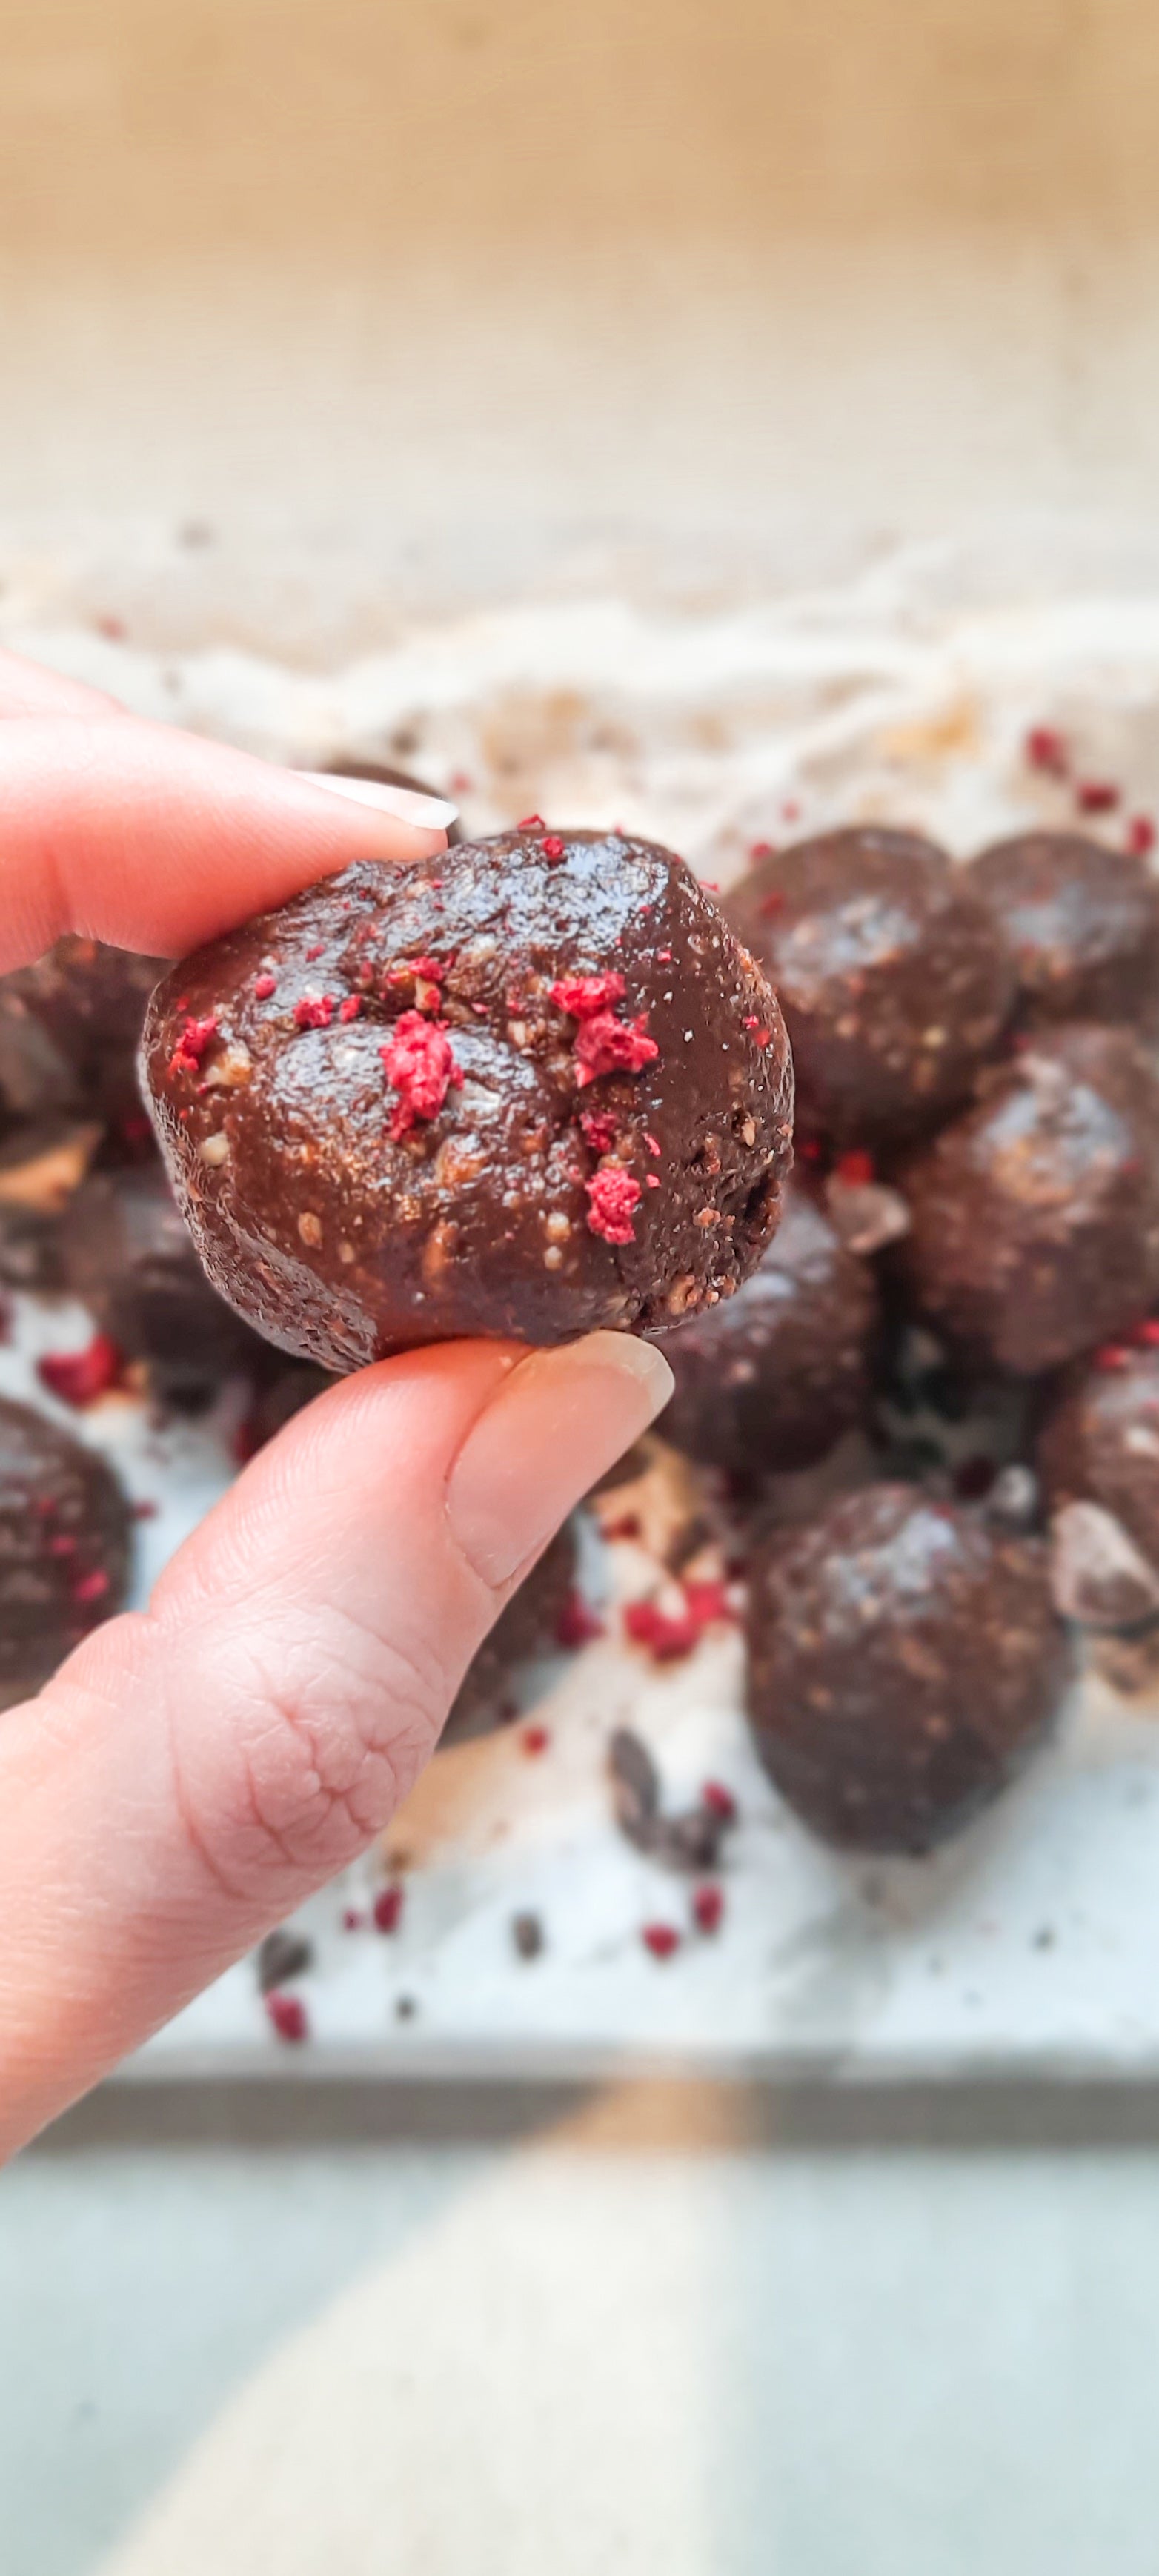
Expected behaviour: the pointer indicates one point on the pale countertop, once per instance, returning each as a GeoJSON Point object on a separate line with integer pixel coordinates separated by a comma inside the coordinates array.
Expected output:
{"type": "Point", "coordinates": [894, 2336]}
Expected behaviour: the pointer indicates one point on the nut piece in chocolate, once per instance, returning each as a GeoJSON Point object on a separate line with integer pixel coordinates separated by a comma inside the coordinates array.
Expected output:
{"type": "Point", "coordinates": [1081, 923]}
{"type": "Point", "coordinates": [64, 1548]}
{"type": "Point", "coordinates": [69, 1028]}
{"type": "Point", "coordinates": [771, 1378]}
{"type": "Point", "coordinates": [891, 975]}
{"type": "Point", "coordinates": [904, 1661]}
{"type": "Point", "coordinates": [1035, 1216]}
{"type": "Point", "coordinates": [530, 1087]}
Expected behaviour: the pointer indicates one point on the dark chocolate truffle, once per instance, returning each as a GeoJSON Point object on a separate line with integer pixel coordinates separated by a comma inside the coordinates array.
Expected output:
{"type": "Point", "coordinates": [529, 1626]}
{"type": "Point", "coordinates": [1101, 1443]}
{"type": "Point", "coordinates": [770, 1378]}
{"type": "Point", "coordinates": [530, 1087]}
{"type": "Point", "coordinates": [127, 1254]}
{"type": "Point", "coordinates": [904, 1660]}
{"type": "Point", "coordinates": [42, 1163]}
{"type": "Point", "coordinates": [891, 975]}
{"type": "Point", "coordinates": [1035, 1217]}
{"type": "Point", "coordinates": [1080, 921]}
{"type": "Point", "coordinates": [64, 1548]}
{"type": "Point", "coordinates": [380, 775]}
{"type": "Point", "coordinates": [69, 1028]}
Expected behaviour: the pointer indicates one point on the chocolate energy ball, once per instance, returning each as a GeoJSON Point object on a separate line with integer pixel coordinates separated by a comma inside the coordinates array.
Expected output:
{"type": "Point", "coordinates": [379, 775]}
{"type": "Point", "coordinates": [770, 1378]}
{"type": "Point", "coordinates": [529, 1626]}
{"type": "Point", "coordinates": [529, 1087]}
{"type": "Point", "coordinates": [42, 1164]}
{"type": "Point", "coordinates": [904, 1660]}
{"type": "Point", "coordinates": [1101, 1443]}
{"type": "Point", "coordinates": [891, 975]}
{"type": "Point", "coordinates": [64, 1548]}
{"type": "Point", "coordinates": [69, 1028]}
{"type": "Point", "coordinates": [127, 1254]}
{"type": "Point", "coordinates": [1035, 1217]}
{"type": "Point", "coordinates": [1081, 923]}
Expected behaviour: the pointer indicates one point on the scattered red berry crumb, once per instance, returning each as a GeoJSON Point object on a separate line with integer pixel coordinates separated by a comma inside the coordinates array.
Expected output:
{"type": "Point", "coordinates": [577, 1624]}
{"type": "Point", "coordinates": [349, 1009]}
{"type": "Point", "coordinates": [708, 1909]}
{"type": "Point", "coordinates": [581, 996]}
{"type": "Point", "coordinates": [613, 1197]}
{"type": "Point", "coordinates": [314, 1011]}
{"type": "Point", "coordinates": [534, 1740]}
{"type": "Point", "coordinates": [759, 850]}
{"type": "Point", "coordinates": [1147, 1334]}
{"type": "Point", "coordinates": [553, 848]}
{"type": "Point", "coordinates": [628, 1526]}
{"type": "Point", "coordinates": [1141, 835]}
{"type": "Point", "coordinates": [420, 1066]}
{"type": "Point", "coordinates": [91, 1587]}
{"type": "Point", "coordinates": [1046, 749]}
{"type": "Point", "coordinates": [79, 1377]}
{"type": "Point", "coordinates": [660, 1938]}
{"type": "Point", "coordinates": [719, 1801]}
{"type": "Point", "coordinates": [352, 1920]}
{"type": "Point", "coordinates": [1113, 1355]}
{"type": "Point", "coordinates": [388, 1905]}
{"type": "Point", "coordinates": [315, 951]}
{"type": "Point", "coordinates": [531, 823]}
{"type": "Point", "coordinates": [288, 2016]}
{"type": "Point", "coordinates": [599, 1129]}
{"type": "Point", "coordinates": [666, 1636]}
{"type": "Point", "coordinates": [855, 1168]}
{"type": "Point", "coordinates": [605, 1044]}
{"type": "Point", "coordinates": [1097, 795]}
{"type": "Point", "coordinates": [652, 1143]}
{"type": "Point", "coordinates": [195, 1037]}
{"type": "Point", "coordinates": [264, 985]}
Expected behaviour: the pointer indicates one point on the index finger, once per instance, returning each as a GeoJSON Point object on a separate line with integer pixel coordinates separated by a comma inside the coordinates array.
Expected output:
{"type": "Point", "coordinates": [153, 839]}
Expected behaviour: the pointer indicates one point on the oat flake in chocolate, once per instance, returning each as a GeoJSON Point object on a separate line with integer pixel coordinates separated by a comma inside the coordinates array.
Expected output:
{"type": "Point", "coordinates": [64, 1548]}
{"type": "Point", "coordinates": [891, 975]}
{"type": "Point", "coordinates": [529, 1087]}
{"type": "Point", "coordinates": [904, 1661]}
{"type": "Point", "coordinates": [1035, 1217]}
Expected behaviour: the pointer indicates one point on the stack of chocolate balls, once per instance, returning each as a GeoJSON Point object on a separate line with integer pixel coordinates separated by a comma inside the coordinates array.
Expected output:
{"type": "Point", "coordinates": [971, 1042]}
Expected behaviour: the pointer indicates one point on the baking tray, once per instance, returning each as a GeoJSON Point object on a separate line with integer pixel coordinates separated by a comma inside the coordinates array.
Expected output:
{"type": "Point", "coordinates": [1028, 1947]}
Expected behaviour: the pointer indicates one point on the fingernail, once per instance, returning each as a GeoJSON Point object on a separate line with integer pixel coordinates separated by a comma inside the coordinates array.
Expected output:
{"type": "Point", "coordinates": [430, 813]}
{"type": "Point", "coordinates": [555, 1426]}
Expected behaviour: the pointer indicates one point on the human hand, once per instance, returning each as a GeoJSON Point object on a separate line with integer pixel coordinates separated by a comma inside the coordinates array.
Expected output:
{"type": "Point", "coordinates": [195, 1769]}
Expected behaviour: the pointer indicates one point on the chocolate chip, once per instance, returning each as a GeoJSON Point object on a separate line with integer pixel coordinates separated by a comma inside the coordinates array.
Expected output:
{"type": "Point", "coordinates": [283, 1955]}
{"type": "Point", "coordinates": [527, 1934]}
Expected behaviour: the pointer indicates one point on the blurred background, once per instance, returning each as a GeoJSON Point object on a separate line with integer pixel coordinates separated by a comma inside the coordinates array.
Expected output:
{"type": "Point", "coordinates": [376, 304]}
{"type": "Point", "coordinates": [318, 317]}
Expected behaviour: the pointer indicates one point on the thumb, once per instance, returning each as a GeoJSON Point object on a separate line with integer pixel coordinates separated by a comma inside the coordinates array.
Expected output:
{"type": "Point", "coordinates": [195, 1770]}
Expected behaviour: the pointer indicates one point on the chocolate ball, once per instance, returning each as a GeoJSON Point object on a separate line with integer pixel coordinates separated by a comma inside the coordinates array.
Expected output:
{"type": "Point", "coordinates": [1101, 1443]}
{"type": "Point", "coordinates": [770, 1378]}
{"type": "Point", "coordinates": [529, 1626]}
{"type": "Point", "coordinates": [64, 1548]}
{"type": "Point", "coordinates": [1080, 921]}
{"type": "Point", "coordinates": [128, 1255]}
{"type": "Point", "coordinates": [42, 1164]}
{"type": "Point", "coordinates": [890, 973]}
{"type": "Point", "coordinates": [529, 1087]}
{"type": "Point", "coordinates": [1035, 1216]}
{"type": "Point", "coordinates": [904, 1661]}
{"type": "Point", "coordinates": [69, 1029]}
